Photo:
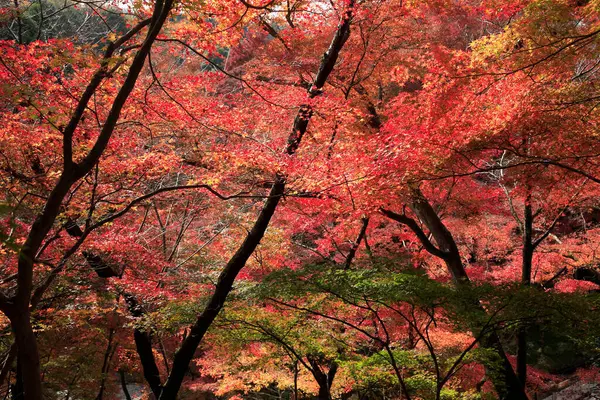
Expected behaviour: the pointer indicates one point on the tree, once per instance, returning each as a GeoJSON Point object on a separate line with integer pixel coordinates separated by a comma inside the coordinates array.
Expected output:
{"type": "Point", "coordinates": [16, 307]}
{"type": "Point", "coordinates": [452, 140]}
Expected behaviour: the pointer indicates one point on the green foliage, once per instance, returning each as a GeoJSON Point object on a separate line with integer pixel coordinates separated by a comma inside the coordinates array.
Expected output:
{"type": "Point", "coordinates": [171, 317]}
{"type": "Point", "coordinates": [565, 324]}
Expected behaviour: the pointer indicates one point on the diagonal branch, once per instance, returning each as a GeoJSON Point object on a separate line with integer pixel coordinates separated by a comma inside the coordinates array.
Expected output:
{"type": "Point", "coordinates": [414, 226]}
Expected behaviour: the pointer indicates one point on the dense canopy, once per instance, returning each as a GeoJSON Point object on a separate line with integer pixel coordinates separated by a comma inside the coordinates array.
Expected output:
{"type": "Point", "coordinates": [299, 199]}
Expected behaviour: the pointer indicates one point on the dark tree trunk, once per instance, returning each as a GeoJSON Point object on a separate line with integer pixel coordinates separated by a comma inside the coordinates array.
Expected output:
{"type": "Point", "coordinates": [186, 352]}
{"type": "Point", "coordinates": [143, 345]}
{"type": "Point", "coordinates": [142, 338]}
{"type": "Point", "coordinates": [356, 244]}
{"type": "Point", "coordinates": [501, 373]}
{"type": "Point", "coordinates": [296, 380]}
{"type": "Point", "coordinates": [17, 390]}
{"type": "Point", "coordinates": [110, 349]}
{"type": "Point", "coordinates": [522, 356]}
{"type": "Point", "coordinates": [324, 392]}
{"type": "Point", "coordinates": [28, 362]}
{"type": "Point", "coordinates": [324, 380]}
{"type": "Point", "coordinates": [528, 249]}
{"type": "Point", "coordinates": [18, 307]}
{"type": "Point", "coordinates": [124, 385]}
{"type": "Point", "coordinates": [442, 236]}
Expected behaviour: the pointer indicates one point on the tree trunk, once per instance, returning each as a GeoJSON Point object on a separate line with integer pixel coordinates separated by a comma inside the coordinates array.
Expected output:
{"type": "Point", "coordinates": [185, 354]}
{"type": "Point", "coordinates": [142, 339]}
{"type": "Point", "coordinates": [324, 380]}
{"type": "Point", "coordinates": [324, 392]}
{"type": "Point", "coordinates": [17, 391]}
{"type": "Point", "coordinates": [28, 360]}
{"type": "Point", "coordinates": [296, 380]}
{"type": "Point", "coordinates": [124, 385]}
{"type": "Point", "coordinates": [528, 249]}
{"type": "Point", "coordinates": [143, 346]}
{"type": "Point", "coordinates": [17, 308]}
{"type": "Point", "coordinates": [522, 356]}
{"type": "Point", "coordinates": [501, 373]}
{"type": "Point", "coordinates": [356, 244]}
{"type": "Point", "coordinates": [106, 363]}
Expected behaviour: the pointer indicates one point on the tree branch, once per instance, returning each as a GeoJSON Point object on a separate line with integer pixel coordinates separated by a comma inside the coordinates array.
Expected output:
{"type": "Point", "coordinates": [414, 226]}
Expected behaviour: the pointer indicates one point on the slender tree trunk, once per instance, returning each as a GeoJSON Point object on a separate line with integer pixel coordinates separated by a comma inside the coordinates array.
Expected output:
{"type": "Point", "coordinates": [528, 249]}
{"type": "Point", "coordinates": [106, 363]}
{"type": "Point", "coordinates": [500, 371]}
{"type": "Point", "coordinates": [142, 338]}
{"type": "Point", "coordinates": [522, 356]}
{"type": "Point", "coordinates": [17, 308]}
{"type": "Point", "coordinates": [185, 354]}
{"type": "Point", "coordinates": [296, 380]}
{"type": "Point", "coordinates": [18, 312]}
{"type": "Point", "coordinates": [356, 244]}
{"type": "Point", "coordinates": [143, 345]}
{"type": "Point", "coordinates": [124, 385]}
